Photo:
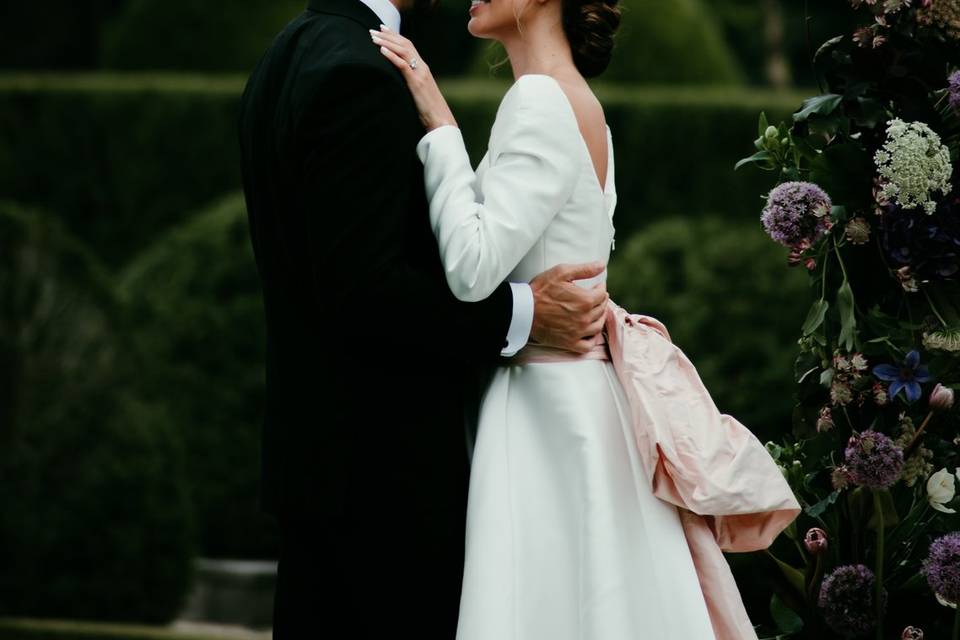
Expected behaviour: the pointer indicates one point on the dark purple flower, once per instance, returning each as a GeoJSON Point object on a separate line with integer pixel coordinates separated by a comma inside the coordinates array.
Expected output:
{"type": "Point", "coordinates": [907, 376]}
{"type": "Point", "coordinates": [873, 459]}
{"type": "Point", "coordinates": [928, 243]}
{"type": "Point", "coordinates": [942, 567]}
{"type": "Point", "coordinates": [953, 88]}
{"type": "Point", "coordinates": [796, 211]}
{"type": "Point", "coordinates": [847, 600]}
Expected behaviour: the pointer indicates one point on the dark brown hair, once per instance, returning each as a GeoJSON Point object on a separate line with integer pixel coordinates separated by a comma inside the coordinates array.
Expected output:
{"type": "Point", "coordinates": [590, 25]}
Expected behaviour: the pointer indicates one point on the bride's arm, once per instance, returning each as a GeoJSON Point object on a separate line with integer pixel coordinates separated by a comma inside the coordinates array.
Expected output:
{"type": "Point", "coordinates": [530, 176]}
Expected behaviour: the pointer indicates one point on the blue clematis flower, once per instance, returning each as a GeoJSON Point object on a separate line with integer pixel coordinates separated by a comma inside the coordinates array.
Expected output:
{"type": "Point", "coordinates": [907, 376]}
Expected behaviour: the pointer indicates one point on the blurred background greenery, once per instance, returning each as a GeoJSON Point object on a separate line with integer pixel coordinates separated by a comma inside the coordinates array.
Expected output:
{"type": "Point", "coordinates": [131, 338]}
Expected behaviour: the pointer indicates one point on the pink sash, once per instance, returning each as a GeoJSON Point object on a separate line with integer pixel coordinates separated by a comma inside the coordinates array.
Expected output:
{"type": "Point", "coordinates": [730, 494]}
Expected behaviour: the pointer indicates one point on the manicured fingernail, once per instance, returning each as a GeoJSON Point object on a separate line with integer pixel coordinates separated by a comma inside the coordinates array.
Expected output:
{"type": "Point", "coordinates": [383, 50]}
{"type": "Point", "coordinates": [385, 27]}
{"type": "Point", "coordinates": [377, 40]}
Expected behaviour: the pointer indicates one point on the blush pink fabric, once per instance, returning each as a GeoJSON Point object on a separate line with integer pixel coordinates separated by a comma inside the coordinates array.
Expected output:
{"type": "Point", "coordinates": [730, 493]}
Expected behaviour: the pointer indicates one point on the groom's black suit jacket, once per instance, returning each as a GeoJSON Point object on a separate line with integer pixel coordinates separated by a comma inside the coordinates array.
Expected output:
{"type": "Point", "coordinates": [367, 349]}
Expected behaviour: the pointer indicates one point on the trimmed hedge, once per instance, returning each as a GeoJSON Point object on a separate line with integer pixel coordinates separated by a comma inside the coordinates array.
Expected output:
{"type": "Point", "coordinates": [95, 520]}
{"type": "Point", "coordinates": [668, 43]}
{"type": "Point", "coordinates": [724, 291]}
{"type": "Point", "coordinates": [27, 629]}
{"type": "Point", "coordinates": [123, 158]}
{"type": "Point", "coordinates": [194, 301]}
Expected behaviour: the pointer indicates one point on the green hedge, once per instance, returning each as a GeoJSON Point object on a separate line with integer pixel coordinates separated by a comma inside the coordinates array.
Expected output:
{"type": "Point", "coordinates": [193, 298]}
{"type": "Point", "coordinates": [667, 43]}
{"type": "Point", "coordinates": [730, 302]}
{"type": "Point", "coordinates": [95, 521]}
{"type": "Point", "coordinates": [122, 158]}
{"type": "Point", "coordinates": [27, 629]}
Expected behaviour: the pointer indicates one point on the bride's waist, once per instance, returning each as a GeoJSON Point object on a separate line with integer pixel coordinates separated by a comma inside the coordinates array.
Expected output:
{"type": "Point", "coordinates": [535, 352]}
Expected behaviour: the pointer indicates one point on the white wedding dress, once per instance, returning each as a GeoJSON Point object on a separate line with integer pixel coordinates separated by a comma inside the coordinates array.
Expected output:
{"type": "Point", "coordinates": [565, 540]}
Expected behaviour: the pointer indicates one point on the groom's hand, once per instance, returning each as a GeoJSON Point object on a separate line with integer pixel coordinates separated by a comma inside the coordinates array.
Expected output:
{"type": "Point", "coordinates": [566, 315]}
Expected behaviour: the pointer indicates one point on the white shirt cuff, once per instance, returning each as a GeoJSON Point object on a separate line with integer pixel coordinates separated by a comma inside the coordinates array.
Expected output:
{"type": "Point", "coordinates": [522, 321]}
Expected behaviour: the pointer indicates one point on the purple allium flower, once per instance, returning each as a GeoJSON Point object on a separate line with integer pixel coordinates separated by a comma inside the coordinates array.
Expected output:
{"type": "Point", "coordinates": [907, 376]}
{"type": "Point", "coordinates": [796, 211]}
{"type": "Point", "coordinates": [847, 600]}
{"type": "Point", "coordinates": [873, 459]}
{"type": "Point", "coordinates": [953, 88]}
{"type": "Point", "coordinates": [942, 566]}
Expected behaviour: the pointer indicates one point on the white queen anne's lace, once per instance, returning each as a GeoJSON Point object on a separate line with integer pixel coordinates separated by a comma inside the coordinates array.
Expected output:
{"type": "Point", "coordinates": [913, 164]}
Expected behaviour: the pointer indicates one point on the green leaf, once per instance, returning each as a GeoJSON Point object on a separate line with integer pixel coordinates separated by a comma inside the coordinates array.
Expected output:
{"type": "Point", "coordinates": [818, 105]}
{"type": "Point", "coordinates": [815, 510]}
{"type": "Point", "coordinates": [794, 576]}
{"type": "Point", "coordinates": [759, 156]}
{"type": "Point", "coordinates": [848, 320]}
{"type": "Point", "coordinates": [818, 310]}
{"type": "Point", "coordinates": [784, 617]}
{"type": "Point", "coordinates": [762, 126]}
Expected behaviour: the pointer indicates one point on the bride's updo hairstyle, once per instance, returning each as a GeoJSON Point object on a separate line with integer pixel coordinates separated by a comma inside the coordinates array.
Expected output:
{"type": "Point", "coordinates": [590, 25]}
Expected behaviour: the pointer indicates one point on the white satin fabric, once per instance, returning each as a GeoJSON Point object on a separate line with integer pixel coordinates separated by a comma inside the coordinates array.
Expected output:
{"type": "Point", "coordinates": [565, 539]}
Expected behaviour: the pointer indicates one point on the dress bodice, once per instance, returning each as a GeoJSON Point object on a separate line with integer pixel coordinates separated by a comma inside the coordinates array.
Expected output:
{"type": "Point", "coordinates": [533, 202]}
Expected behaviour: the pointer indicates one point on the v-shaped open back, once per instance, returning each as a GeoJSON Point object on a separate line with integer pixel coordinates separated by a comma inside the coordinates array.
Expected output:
{"type": "Point", "coordinates": [603, 184]}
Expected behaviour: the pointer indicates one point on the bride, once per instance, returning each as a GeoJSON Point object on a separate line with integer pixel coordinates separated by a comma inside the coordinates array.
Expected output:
{"type": "Point", "coordinates": [565, 539]}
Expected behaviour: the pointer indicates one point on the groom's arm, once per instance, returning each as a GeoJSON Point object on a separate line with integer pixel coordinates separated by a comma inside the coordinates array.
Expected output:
{"type": "Point", "coordinates": [359, 167]}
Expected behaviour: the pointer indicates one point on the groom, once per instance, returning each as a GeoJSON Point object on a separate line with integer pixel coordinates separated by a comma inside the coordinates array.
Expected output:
{"type": "Point", "coordinates": [369, 355]}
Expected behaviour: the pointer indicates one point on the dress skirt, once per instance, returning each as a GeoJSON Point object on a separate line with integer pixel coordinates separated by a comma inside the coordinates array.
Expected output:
{"type": "Point", "coordinates": [564, 537]}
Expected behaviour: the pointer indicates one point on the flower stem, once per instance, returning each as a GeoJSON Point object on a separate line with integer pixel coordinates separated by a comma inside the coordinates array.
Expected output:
{"type": "Point", "coordinates": [933, 307]}
{"type": "Point", "coordinates": [956, 624]}
{"type": "Point", "coordinates": [916, 437]}
{"type": "Point", "coordinates": [879, 563]}
{"type": "Point", "coordinates": [839, 259]}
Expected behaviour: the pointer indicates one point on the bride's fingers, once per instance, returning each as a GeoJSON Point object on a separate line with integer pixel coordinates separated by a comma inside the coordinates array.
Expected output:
{"type": "Point", "coordinates": [399, 62]}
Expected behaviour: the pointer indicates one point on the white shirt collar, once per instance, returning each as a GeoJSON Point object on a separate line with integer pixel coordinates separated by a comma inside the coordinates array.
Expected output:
{"type": "Point", "coordinates": [386, 11]}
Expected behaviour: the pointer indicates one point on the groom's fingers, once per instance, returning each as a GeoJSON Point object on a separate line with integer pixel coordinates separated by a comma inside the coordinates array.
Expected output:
{"type": "Point", "coordinates": [570, 272]}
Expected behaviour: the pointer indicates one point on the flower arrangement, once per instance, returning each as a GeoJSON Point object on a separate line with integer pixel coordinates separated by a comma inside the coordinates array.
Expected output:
{"type": "Point", "coordinates": [865, 198]}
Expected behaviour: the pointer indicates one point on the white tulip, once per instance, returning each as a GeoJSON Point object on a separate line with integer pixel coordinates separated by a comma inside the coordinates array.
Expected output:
{"type": "Point", "coordinates": [940, 490]}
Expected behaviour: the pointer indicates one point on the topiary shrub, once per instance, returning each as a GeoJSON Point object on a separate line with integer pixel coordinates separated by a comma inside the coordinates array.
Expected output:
{"type": "Point", "coordinates": [723, 293]}
{"type": "Point", "coordinates": [95, 520]}
{"type": "Point", "coordinates": [195, 304]}
{"type": "Point", "coordinates": [675, 42]}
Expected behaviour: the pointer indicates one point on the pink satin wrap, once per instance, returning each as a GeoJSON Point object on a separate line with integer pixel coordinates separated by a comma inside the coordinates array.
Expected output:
{"type": "Point", "coordinates": [730, 494]}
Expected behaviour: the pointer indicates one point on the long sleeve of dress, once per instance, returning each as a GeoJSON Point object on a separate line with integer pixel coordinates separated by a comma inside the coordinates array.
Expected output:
{"type": "Point", "coordinates": [483, 230]}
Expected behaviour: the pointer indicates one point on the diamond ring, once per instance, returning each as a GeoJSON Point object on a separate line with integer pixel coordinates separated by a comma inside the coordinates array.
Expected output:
{"type": "Point", "coordinates": [413, 63]}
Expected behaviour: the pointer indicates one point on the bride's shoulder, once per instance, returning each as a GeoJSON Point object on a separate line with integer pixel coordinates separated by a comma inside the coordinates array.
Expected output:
{"type": "Point", "coordinates": [533, 90]}
{"type": "Point", "coordinates": [535, 101]}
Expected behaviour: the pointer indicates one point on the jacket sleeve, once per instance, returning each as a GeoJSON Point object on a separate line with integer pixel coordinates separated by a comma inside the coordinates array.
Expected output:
{"type": "Point", "coordinates": [357, 134]}
{"type": "Point", "coordinates": [532, 173]}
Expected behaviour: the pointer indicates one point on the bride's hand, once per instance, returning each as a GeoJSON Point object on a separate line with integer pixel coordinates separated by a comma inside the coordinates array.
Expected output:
{"type": "Point", "coordinates": [434, 111]}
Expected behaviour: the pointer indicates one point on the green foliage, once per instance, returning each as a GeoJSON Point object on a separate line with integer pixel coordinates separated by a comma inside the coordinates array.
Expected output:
{"type": "Point", "coordinates": [676, 42]}
{"type": "Point", "coordinates": [194, 302]}
{"type": "Point", "coordinates": [721, 289]}
{"type": "Point", "coordinates": [96, 522]}
{"type": "Point", "coordinates": [118, 161]}
{"type": "Point", "coordinates": [193, 35]}
{"type": "Point", "coordinates": [123, 158]}
{"type": "Point", "coordinates": [27, 629]}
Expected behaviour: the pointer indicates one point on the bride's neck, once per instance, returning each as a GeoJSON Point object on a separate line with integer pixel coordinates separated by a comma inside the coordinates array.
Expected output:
{"type": "Point", "coordinates": [541, 48]}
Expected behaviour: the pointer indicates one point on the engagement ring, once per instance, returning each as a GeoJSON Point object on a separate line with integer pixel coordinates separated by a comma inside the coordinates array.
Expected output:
{"type": "Point", "coordinates": [413, 63]}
